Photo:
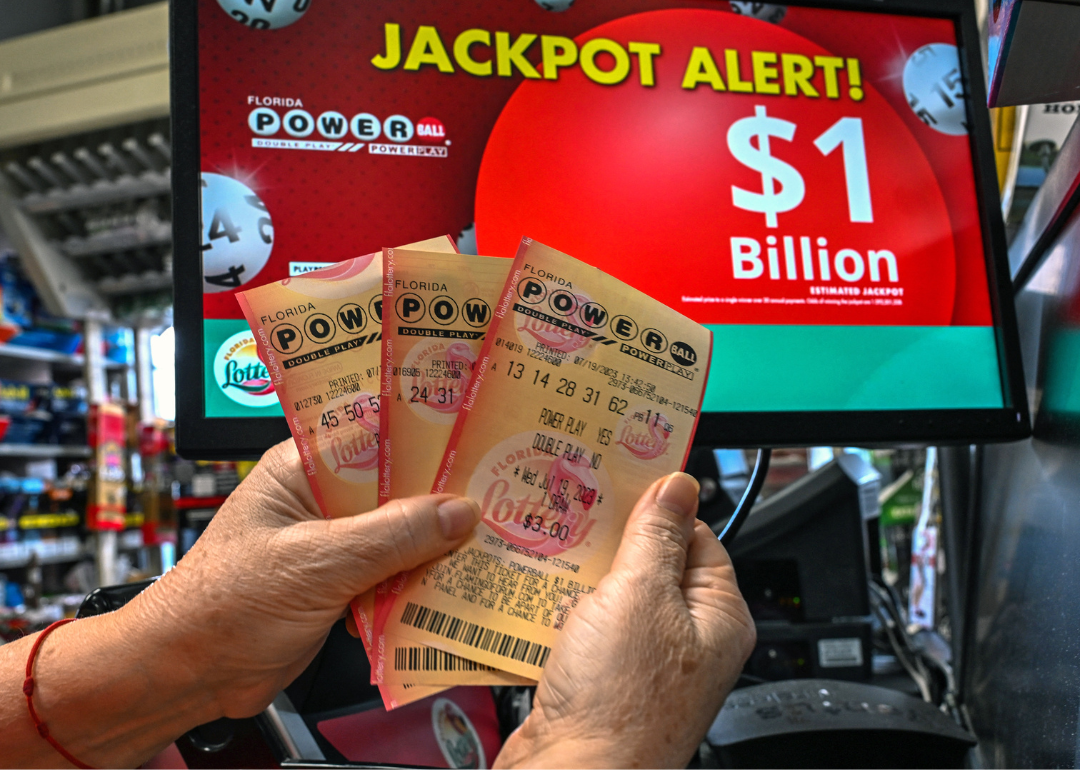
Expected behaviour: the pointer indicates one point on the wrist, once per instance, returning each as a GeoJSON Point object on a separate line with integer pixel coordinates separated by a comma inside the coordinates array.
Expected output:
{"type": "Point", "coordinates": [171, 651]}
{"type": "Point", "coordinates": [533, 745]}
{"type": "Point", "coordinates": [112, 693]}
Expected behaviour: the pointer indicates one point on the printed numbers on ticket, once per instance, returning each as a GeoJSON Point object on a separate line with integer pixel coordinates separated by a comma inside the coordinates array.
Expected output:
{"type": "Point", "coordinates": [586, 391]}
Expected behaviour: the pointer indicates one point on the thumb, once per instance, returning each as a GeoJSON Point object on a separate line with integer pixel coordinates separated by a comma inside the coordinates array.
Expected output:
{"type": "Point", "coordinates": [660, 529]}
{"type": "Point", "coordinates": [362, 551]}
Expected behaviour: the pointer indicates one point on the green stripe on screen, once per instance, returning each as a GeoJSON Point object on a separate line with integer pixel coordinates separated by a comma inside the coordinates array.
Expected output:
{"type": "Point", "coordinates": [215, 332]}
{"type": "Point", "coordinates": [848, 368]}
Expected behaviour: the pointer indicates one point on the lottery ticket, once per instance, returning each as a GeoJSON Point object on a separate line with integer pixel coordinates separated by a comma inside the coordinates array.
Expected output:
{"type": "Point", "coordinates": [439, 307]}
{"type": "Point", "coordinates": [319, 336]}
{"type": "Point", "coordinates": [585, 392]}
{"type": "Point", "coordinates": [396, 692]}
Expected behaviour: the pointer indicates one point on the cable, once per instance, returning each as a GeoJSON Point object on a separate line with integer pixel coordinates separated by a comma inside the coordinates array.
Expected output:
{"type": "Point", "coordinates": [753, 489]}
{"type": "Point", "coordinates": [893, 625]}
{"type": "Point", "coordinates": [886, 599]}
{"type": "Point", "coordinates": [901, 657]}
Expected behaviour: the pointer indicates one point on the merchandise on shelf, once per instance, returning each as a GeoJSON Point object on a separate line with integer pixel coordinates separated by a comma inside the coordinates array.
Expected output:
{"type": "Point", "coordinates": [26, 422]}
{"type": "Point", "coordinates": [68, 407]}
{"type": "Point", "coordinates": [24, 429]}
{"type": "Point", "coordinates": [119, 345]}
{"type": "Point", "coordinates": [16, 397]}
{"type": "Point", "coordinates": [17, 296]}
{"type": "Point", "coordinates": [107, 437]}
{"type": "Point", "coordinates": [159, 513]}
{"type": "Point", "coordinates": [36, 520]}
{"type": "Point", "coordinates": [56, 340]}
{"type": "Point", "coordinates": [42, 414]}
{"type": "Point", "coordinates": [901, 501]}
{"type": "Point", "coordinates": [23, 319]}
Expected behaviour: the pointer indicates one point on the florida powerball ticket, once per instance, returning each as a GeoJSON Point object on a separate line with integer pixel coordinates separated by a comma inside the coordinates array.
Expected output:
{"type": "Point", "coordinates": [438, 308]}
{"type": "Point", "coordinates": [584, 393]}
{"type": "Point", "coordinates": [319, 335]}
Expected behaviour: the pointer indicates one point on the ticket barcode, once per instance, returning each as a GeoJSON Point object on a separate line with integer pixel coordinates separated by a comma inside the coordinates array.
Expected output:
{"type": "Point", "coordinates": [486, 639]}
{"type": "Point", "coordinates": [430, 659]}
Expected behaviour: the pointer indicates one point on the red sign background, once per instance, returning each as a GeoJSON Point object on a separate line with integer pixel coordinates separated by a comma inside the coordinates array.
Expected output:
{"type": "Point", "coordinates": [635, 179]}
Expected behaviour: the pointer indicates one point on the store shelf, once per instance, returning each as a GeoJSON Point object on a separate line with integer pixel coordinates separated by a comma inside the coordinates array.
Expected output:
{"type": "Point", "coordinates": [24, 353]}
{"type": "Point", "coordinates": [135, 284]}
{"type": "Point", "coordinates": [42, 560]}
{"type": "Point", "coordinates": [39, 354]}
{"type": "Point", "coordinates": [123, 239]}
{"type": "Point", "coordinates": [62, 550]}
{"type": "Point", "coordinates": [102, 193]}
{"type": "Point", "coordinates": [43, 450]}
{"type": "Point", "coordinates": [16, 555]}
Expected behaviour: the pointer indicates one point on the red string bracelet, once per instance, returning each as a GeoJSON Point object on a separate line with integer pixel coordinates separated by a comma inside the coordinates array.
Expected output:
{"type": "Point", "coordinates": [28, 690]}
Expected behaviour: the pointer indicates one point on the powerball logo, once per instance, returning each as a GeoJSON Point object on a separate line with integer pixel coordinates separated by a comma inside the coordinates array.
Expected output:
{"type": "Point", "coordinates": [284, 124]}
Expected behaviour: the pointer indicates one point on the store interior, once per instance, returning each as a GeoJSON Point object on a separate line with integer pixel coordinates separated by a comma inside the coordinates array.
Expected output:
{"type": "Point", "coordinates": [931, 579]}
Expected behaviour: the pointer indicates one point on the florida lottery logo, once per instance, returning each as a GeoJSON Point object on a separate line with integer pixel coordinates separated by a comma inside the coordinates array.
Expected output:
{"type": "Point", "coordinates": [265, 14]}
{"type": "Point", "coordinates": [237, 233]}
{"type": "Point", "coordinates": [241, 374]}
{"type": "Point", "coordinates": [457, 738]}
{"type": "Point", "coordinates": [644, 433]}
{"type": "Point", "coordinates": [543, 491]}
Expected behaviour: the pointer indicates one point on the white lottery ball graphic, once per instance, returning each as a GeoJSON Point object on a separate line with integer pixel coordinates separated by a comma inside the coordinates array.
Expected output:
{"type": "Point", "coordinates": [935, 88]}
{"type": "Point", "coordinates": [555, 5]}
{"type": "Point", "coordinates": [265, 14]}
{"type": "Point", "coordinates": [466, 241]}
{"type": "Point", "coordinates": [769, 12]}
{"type": "Point", "coordinates": [237, 233]}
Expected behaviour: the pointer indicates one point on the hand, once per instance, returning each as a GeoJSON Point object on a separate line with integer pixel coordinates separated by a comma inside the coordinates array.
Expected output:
{"type": "Point", "coordinates": [251, 604]}
{"type": "Point", "coordinates": [645, 662]}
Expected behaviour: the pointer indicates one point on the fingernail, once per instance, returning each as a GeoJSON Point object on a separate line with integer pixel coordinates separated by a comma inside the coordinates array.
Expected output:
{"type": "Point", "coordinates": [458, 517]}
{"type": "Point", "coordinates": [679, 494]}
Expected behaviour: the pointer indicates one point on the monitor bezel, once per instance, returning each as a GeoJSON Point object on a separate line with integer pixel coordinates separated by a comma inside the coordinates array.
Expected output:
{"type": "Point", "coordinates": [201, 437]}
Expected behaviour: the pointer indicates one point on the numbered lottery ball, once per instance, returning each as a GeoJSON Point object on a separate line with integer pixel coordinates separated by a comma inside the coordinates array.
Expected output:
{"type": "Point", "coordinates": [466, 241]}
{"type": "Point", "coordinates": [555, 5]}
{"type": "Point", "coordinates": [935, 88]}
{"type": "Point", "coordinates": [265, 14]}
{"type": "Point", "coordinates": [769, 12]}
{"type": "Point", "coordinates": [237, 233]}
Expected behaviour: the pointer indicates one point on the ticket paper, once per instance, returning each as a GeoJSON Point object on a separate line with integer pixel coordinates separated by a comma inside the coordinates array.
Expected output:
{"type": "Point", "coordinates": [394, 693]}
{"type": "Point", "coordinates": [586, 391]}
{"type": "Point", "coordinates": [439, 307]}
{"type": "Point", "coordinates": [319, 336]}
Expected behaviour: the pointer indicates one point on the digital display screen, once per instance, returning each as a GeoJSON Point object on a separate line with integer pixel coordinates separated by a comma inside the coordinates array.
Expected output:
{"type": "Point", "coordinates": [801, 180]}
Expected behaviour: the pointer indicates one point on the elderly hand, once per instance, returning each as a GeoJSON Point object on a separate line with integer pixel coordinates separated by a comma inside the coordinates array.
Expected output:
{"type": "Point", "coordinates": [240, 616]}
{"type": "Point", "coordinates": [645, 662]}
{"type": "Point", "coordinates": [635, 678]}
{"type": "Point", "coordinates": [255, 598]}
